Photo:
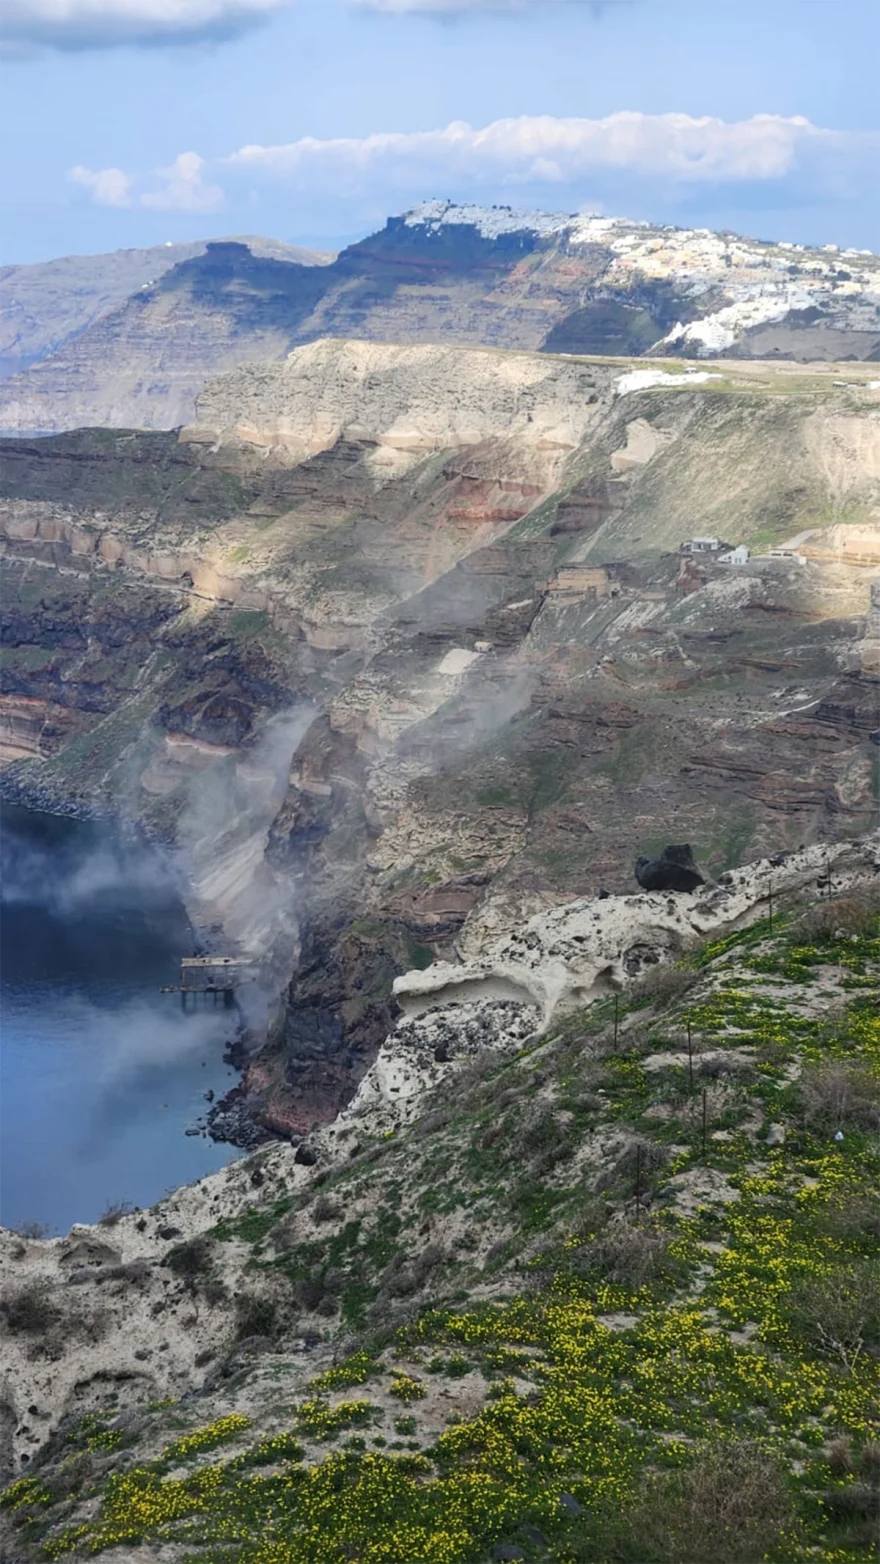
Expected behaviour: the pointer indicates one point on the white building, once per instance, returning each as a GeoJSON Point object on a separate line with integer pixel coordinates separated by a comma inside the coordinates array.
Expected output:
{"type": "Point", "coordinates": [700, 546]}
{"type": "Point", "coordinates": [735, 556]}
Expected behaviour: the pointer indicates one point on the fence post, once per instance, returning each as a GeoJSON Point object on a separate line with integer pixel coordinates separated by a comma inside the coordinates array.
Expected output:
{"type": "Point", "coordinates": [690, 1061]}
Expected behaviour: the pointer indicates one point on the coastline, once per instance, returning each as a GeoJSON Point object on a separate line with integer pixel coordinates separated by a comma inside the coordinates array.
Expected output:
{"type": "Point", "coordinates": [227, 1120]}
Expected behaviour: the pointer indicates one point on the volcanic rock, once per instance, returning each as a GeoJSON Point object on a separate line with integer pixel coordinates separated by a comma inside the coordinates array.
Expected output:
{"type": "Point", "coordinates": [673, 870]}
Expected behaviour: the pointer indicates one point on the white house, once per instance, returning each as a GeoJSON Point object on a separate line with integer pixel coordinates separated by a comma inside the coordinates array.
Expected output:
{"type": "Point", "coordinates": [735, 556]}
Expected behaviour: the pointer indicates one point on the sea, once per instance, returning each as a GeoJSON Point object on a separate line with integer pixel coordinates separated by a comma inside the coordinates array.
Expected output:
{"type": "Point", "coordinates": [101, 1074]}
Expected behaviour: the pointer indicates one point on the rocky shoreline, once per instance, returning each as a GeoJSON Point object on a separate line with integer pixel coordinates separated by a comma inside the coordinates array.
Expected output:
{"type": "Point", "coordinates": [16, 787]}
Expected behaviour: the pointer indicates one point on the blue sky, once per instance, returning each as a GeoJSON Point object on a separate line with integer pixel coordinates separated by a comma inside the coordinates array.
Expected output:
{"type": "Point", "coordinates": [131, 122]}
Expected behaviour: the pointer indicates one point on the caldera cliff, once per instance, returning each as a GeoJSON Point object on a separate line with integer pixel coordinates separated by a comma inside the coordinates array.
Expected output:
{"type": "Point", "coordinates": [399, 647]}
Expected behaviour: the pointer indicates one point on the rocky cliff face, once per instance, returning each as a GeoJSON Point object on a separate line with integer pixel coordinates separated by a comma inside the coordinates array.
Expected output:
{"type": "Point", "coordinates": [440, 274]}
{"type": "Point", "coordinates": [44, 306]}
{"type": "Point", "coordinates": [398, 646]}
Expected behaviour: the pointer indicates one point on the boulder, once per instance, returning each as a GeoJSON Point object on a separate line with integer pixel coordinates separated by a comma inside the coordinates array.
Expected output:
{"type": "Point", "coordinates": [673, 870]}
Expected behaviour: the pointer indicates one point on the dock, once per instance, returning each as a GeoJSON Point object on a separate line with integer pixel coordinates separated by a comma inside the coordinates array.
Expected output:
{"type": "Point", "coordinates": [211, 975]}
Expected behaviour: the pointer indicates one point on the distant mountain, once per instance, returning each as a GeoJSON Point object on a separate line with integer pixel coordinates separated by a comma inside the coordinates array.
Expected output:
{"type": "Point", "coordinates": [131, 347]}
{"type": "Point", "coordinates": [46, 305]}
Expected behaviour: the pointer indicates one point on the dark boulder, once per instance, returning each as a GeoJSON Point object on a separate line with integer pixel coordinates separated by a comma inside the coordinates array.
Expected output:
{"type": "Point", "coordinates": [673, 870]}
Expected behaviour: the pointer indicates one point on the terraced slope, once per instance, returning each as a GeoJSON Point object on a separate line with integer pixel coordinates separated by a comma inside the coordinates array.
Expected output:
{"type": "Point", "coordinates": [607, 1294]}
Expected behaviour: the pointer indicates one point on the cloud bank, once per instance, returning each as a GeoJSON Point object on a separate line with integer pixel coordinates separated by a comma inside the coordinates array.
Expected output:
{"type": "Point", "coordinates": [445, 7]}
{"type": "Point", "coordinates": [560, 164]}
{"type": "Point", "coordinates": [549, 150]}
{"type": "Point", "coordinates": [30, 25]}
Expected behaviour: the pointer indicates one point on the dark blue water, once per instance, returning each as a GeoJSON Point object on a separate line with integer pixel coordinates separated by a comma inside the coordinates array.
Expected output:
{"type": "Point", "coordinates": [100, 1074]}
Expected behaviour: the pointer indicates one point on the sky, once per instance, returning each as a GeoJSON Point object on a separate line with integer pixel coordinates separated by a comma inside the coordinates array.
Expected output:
{"type": "Point", "coordinates": [134, 122]}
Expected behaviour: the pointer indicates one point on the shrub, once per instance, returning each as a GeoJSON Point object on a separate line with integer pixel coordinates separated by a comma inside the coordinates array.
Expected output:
{"type": "Point", "coordinates": [631, 1256]}
{"type": "Point", "coordinates": [540, 1133]}
{"type": "Point", "coordinates": [31, 1311]}
{"type": "Point", "coordinates": [732, 1505]}
{"type": "Point", "coordinates": [663, 983]}
{"type": "Point", "coordinates": [838, 1313]}
{"type": "Point", "coordinates": [850, 1215]}
{"type": "Point", "coordinates": [406, 1388]}
{"type": "Point", "coordinates": [638, 1164]}
{"type": "Point", "coordinates": [32, 1230]}
{"type": "Point", "coordinates": [432, 1122]}
{"type": "Point", "coordinates": [255, 1316]}
{"type": "Point", "coordinates": [309, 1291]}
{"type": "Point", "coordinates": [114, 1212]}
{"type": "Point", "coordinates": [841, 1092]}
{"type": "Point", "coordinates": [325, 1209]}
{"type": "Point", "coordinates": [714, 1066]}
{"type": "Point", "coordinates": [840, 1457]}
{"type": "Point", "coordinates": [493, 1134]}
{"type": "Point", "coordinates": [136, 1272]}
{"type": "Point", "coordinates": [842, 917]}
{"type": "Point", "coordinates": [191, 1259]}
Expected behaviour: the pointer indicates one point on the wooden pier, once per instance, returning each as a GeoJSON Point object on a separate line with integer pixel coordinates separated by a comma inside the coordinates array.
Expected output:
{"type": "Point", "coordinates": [211, 975]}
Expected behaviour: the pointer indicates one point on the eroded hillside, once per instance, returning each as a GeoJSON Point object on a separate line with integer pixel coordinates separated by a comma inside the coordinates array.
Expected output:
{"type": "Point", "coordinates": [598, 1285]}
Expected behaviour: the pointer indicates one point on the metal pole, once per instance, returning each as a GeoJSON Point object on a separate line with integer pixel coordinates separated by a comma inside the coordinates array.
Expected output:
{"type": "Point", "coordinates": [690, 1061]}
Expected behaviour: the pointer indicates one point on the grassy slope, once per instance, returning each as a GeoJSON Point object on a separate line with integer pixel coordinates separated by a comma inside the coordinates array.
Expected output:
{"type": "Point", "coordinates": [569, 1322]}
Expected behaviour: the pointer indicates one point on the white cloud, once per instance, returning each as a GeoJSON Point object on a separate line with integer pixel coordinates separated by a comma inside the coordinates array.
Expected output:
{"type": "Point", "coordinates": [184, 188]}
{"type": "Point", "coordinates": [541, 149]}
{"type": "Point", "coordinates": [439, 7]}
{"type": "Point", "coordinates": [449, 7]}
{"type": "Point", "coordinates": [109, 186]}
{"type": "Point", "coordinates": [565, 164]}
{"type": "Point", "coordinates": [94, 24]}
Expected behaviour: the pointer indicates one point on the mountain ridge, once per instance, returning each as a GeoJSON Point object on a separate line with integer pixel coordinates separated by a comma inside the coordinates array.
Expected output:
{"type": "Point", "coordinates": [467, 276]}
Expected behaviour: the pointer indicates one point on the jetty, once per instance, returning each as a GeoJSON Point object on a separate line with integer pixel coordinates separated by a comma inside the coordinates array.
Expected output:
{"type": "Point", "coordinates": [211, 975]}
